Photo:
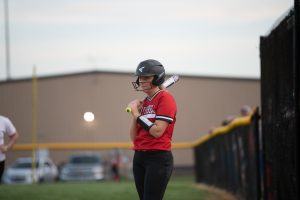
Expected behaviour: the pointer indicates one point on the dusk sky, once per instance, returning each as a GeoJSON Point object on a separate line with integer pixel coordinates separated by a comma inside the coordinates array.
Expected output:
{"type": "Point", "coordinates": [191, 37]}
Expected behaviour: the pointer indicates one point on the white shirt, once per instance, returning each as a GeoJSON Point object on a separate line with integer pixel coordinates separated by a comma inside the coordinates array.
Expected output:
{"type": "Point", "coordinates": [6, 127]}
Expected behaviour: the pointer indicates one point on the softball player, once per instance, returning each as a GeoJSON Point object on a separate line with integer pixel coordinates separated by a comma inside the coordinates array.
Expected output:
{"type": "Point", "coordinates": [151, 132]}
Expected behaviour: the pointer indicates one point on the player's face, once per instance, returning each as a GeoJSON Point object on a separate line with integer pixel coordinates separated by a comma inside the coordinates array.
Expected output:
{"type": "Point", "coordinates": [145, 82]}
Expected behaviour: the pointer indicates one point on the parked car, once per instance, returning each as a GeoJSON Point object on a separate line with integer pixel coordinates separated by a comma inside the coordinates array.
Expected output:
{"type": "Point", "coordinates": [82, 167]}
{"type": "Point", "coordinates": [21, 171]}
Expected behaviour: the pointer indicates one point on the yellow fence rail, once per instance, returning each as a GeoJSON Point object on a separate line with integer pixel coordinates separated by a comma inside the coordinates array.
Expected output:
{"type": "Point", "coordinates": [241, 121]}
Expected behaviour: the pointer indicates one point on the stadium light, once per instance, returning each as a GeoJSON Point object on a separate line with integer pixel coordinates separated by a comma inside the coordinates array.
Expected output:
{"type": "Point", "coordinates": [88, 116]}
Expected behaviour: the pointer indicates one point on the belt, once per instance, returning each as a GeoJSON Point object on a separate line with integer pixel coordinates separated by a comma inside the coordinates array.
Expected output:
{"type": "Point", "coordinates": [151, 150]}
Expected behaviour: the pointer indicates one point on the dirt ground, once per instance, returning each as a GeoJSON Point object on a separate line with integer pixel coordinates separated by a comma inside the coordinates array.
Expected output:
{"type": "Point", "coordinates": [218, 194]}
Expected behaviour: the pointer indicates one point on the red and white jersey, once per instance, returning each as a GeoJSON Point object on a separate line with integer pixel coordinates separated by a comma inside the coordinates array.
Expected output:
{"type": "Point", "coordinates": [160, 106]}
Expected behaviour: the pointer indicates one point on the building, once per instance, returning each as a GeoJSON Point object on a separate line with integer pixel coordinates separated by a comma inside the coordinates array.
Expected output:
{"type": "Point", "coordinates": [203, 102]}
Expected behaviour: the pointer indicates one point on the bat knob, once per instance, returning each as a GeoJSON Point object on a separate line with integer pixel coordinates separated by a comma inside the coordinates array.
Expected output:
{"type": "Point", "coordinates": [128, 109]}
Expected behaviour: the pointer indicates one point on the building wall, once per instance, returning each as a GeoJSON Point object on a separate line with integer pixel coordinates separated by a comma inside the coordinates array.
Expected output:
{"type": "Point", "coordinates": [202, 103]}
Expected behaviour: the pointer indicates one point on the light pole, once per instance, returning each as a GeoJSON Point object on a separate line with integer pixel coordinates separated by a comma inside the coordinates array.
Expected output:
{"type": "Point", "coordinates": [7, 48]}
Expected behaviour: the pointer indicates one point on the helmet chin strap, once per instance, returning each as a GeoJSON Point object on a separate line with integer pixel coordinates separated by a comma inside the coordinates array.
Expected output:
{"type": "Point", "coordinates": [137, 86]}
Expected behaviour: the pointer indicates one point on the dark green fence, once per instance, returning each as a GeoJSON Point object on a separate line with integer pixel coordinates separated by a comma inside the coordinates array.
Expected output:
{"type": "Point", "coordinates": [232, 160]}
{"type": "Point", "coordinates": [280, 107]}
{"type": "Point", "coordinates": [262, 163]}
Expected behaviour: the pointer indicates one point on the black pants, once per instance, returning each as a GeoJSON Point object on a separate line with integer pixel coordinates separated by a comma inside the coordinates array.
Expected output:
{"type": "Point", "coordinates": [2, 164]}
{"type": "Point", "coordinates": [152, 171]}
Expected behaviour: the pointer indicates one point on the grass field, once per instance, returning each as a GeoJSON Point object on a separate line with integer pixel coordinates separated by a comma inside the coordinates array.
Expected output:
{"type": "Point", "coordinates": [179, 188]}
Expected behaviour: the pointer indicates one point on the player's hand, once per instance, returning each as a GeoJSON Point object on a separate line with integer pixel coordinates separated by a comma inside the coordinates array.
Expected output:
{"type": "Point", "coordinates": [135, 106]}
{"type": "Point", "coordinates": [3, 148]}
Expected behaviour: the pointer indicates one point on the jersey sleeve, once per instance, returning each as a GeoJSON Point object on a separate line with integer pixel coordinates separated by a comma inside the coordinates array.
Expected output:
{"type": "Point", "coordinates": [9, 127]}
{"type": "Point", "coordinates": [166, 109]}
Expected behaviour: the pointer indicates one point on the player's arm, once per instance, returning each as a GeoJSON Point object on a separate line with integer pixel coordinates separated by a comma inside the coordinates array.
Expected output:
{"type": "Point", "coordinates": [158, 128]}
{"type": "Point", "coordinates": [155, 129]}
{"type": "Point", "coordinates": [11, 142]}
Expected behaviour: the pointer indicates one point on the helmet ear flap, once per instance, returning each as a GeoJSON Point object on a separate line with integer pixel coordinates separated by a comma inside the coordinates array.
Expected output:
{"type": "Point", "coordinates": [159, 79]}
{"type": "Point", "coordinates": [137, 82]}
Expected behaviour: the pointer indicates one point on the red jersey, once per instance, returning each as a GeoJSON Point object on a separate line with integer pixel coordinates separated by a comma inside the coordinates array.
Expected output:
{"type": "Point", "coordinates": [160, 106]}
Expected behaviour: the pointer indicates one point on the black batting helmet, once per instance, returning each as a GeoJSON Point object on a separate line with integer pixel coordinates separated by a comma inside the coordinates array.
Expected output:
{"type": "Point", "coordinates": [151, 68]}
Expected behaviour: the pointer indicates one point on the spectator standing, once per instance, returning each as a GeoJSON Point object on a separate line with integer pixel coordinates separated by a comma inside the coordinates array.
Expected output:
{"type": "Point", "coordinates": [6, 128]}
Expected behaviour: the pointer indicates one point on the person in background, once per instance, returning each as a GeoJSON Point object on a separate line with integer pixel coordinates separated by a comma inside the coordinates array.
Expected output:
{"type": "Point", "coordinates": [245, 110]}
{"type": "Point", "coordinates": [6, 128]}
{"type": "Point", "coordinates": [228, 120]}
{"type": "Point", "coordinates": [115, 165]}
